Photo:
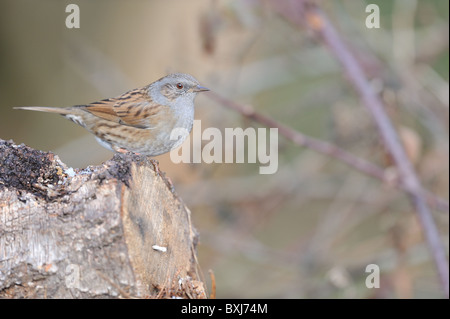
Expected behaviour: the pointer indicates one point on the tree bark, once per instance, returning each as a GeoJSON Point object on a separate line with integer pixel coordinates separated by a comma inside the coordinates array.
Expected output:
{"type": "Point", "coordinates": [114, 230]}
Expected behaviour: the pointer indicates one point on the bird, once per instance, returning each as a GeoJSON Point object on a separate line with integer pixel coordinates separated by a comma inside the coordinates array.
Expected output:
{"type": "Point", "coordinates": [140, 120]}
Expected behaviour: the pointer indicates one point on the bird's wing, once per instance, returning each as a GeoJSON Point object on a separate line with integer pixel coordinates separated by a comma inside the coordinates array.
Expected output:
{"type": "Point", "coordinates": [133, 108]}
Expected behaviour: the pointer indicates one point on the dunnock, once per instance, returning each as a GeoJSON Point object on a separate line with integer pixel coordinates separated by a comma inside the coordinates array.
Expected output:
{"type": "Point", "coordinates": [139, 120]}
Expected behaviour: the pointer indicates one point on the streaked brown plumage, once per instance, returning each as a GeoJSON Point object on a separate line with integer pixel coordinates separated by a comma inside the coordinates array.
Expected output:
{"type": "Point", "coordinates": [140, 120]}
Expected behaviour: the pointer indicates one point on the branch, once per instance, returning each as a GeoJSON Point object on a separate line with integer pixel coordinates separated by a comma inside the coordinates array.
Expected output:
{"type": "Point", "coordinates": [303, 12]}
{"type": "Point", "coordinates": [325, 148]}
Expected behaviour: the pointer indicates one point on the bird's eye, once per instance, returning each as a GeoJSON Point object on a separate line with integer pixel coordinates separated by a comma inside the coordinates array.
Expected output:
{"type": "Point", "coordinates": [179, 86]}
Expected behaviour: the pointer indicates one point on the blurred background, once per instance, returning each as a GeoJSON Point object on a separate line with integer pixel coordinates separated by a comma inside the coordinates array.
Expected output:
{"type": "Point", "coordinates": [308, 231]}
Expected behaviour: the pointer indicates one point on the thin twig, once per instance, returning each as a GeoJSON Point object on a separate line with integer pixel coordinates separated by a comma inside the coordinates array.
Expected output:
{"type": "Point", "coordinates": [303, 12]}
{"type": "Point", "coordinates": [213, 285]}
{"type": "Point", "coordinates": [325, 148]}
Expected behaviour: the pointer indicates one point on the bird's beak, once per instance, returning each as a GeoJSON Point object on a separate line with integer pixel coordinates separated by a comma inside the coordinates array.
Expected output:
{"type": "Point", "coordinates": [200, 88]}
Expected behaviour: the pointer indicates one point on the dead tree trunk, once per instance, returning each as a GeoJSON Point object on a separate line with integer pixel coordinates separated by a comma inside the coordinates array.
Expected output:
{"type": "Point", "coordinates": [115, 230]}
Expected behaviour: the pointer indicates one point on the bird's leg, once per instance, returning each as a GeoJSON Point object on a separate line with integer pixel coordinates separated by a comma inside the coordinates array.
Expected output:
{"type": "Point", "coordinates": [124, 151]}
{"type": "Point", "coordinates": [121, 150]}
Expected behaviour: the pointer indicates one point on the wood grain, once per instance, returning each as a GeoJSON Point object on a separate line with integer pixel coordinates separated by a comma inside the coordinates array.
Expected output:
{"type": "Point", "coordinates": [89, 233]}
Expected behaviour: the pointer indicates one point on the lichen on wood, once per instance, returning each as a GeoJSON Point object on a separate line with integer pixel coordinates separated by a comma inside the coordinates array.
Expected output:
{"type": "Point", "coordinates": [89, 233]}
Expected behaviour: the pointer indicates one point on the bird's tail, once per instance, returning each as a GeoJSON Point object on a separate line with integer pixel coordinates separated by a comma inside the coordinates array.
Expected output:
{"type": "Point", "coordinates": [59, 110]}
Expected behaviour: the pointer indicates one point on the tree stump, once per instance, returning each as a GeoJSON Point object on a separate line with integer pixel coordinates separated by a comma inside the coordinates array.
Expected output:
{"type": "Point", "coordinates": [109, 231]}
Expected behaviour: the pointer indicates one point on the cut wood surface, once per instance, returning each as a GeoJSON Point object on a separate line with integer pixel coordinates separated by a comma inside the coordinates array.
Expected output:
{"type": "Point", "coordinates": [109, 231]}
